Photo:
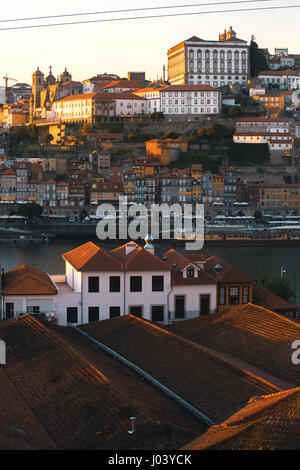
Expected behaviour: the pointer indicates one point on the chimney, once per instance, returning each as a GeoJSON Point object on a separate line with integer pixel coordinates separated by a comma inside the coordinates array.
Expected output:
{"type": "Point", "coordinates": [130, 247]}
{"type": "Point", "coordinates": [149, 247]}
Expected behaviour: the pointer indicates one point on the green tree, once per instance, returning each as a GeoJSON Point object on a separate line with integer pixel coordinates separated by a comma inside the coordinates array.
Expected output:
{"type": "Point", "coordinates": [29, 210]}
{"type": "Point", "coordinates": [258, 61]}
{"type": "Point", "coordinates": [281, 286]}
{"type": "Point", "coordinates": [170, 135]}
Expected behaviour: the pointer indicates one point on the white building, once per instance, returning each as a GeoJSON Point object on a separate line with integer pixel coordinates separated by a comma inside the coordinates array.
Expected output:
{"type": "Point", "coordinates": [98, 285]}
{"type": "Point", "coordinates": [190, 100]}
{"type": "Point", "coordinates": [277, 133]}
{"type": "Point", "coordinates": [152, 97]}
{"type": "Point", "coordinates": [214, 63]}
{"type": "Point", "coordinates": [282, 79]}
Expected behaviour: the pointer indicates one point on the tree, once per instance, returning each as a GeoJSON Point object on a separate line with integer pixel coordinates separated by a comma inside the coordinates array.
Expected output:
{"type": "Point", "coordinates": [258, 61]}
{"type": "Point", "coordinates": [48, 138]}
{"type": "Point", "coordinates": [170, 135]}
{"type": "Point", "coordinates": [234, 111]}
{"type": "Point", "coordinates": [280, 286]}
{"type": "Point", "coordinates": [29, 210]}
{"type": "Point", "coordinates": [257, 216]}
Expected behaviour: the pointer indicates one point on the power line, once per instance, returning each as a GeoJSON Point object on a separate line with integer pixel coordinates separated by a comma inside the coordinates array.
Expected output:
{"type": "Point", "coordinates": [130, 10]}
{"type": "Point", "coordinates": [149, 17]}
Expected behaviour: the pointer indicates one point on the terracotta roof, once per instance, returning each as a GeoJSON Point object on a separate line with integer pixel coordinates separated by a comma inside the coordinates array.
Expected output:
{"type": "Point", "coordinates": [229, 273]}
{"type": "Point", "coordinates": [210, 384]}
{"type": "Point", "coordinates": [26, 280]}
{"type": "Point", "coordinates": [268, 299]}
{"type": "Point", "coordinates": [190, 88]}
{"type": "Point", "coordinates": [270, 422]}
{"type": "Point", "coordinates": [74, 404]}
{"type": "Point", "coordinates": [124, 84]}
{"type": "Point", "coordinates": [139, 259]}
{"type": "Point", "coordinates": [279, 72]}
{"type": "Point", "coordinates": [90, 257]}
{"type": "Point", "coordinates": [251, 333]}
{"type": "Point", "coordinates": [173, 257]}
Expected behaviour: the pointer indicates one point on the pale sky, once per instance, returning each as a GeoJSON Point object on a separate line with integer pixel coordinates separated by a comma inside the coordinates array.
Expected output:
{"type": "Point", "coordinates": [132, 45]}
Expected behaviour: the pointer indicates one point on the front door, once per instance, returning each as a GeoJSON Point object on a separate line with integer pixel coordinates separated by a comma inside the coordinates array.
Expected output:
{"type": "Point", "coordinates": [204, 304]}
{"type": "Point", "coordinates": [179, 306]}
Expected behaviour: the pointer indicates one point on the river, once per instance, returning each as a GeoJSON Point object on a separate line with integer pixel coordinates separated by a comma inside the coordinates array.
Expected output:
{"type": "Point", "coordinates": [47, 257]}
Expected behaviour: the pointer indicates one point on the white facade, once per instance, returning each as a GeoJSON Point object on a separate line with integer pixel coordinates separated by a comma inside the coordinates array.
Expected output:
{"type": "Point", "coordinates": [152, 97]}
{"type": "Point", "coordinates": [187, 100]}
{"type": "Point", "coordinates": [129, 105]}
{"type": "Point", "coordinates": [214, 63]}
{"type": "Point", "coordinates": [284, 80]}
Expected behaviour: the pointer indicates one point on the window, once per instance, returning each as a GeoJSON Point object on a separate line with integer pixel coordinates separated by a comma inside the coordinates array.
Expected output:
{"type": "Point", "coordinates": [33, 309]}
{"type": "Point", "coordinates": [93, 284]}
{"type": "Point", "coordinates": [190, 272]}
{"type": "Point", "coordinates": [72, 315]}
{"type": "Point", "coordinates": [157, 283]}
{"type": "Point", "coordinates": [222, 293]}
{"type": "Point", "coordinates": [136, 310]}
{"type": "Point", "coordinates": [9, 309]}
{"type": "Point", "coordinates": [135, 283]}
{"type": "Point", "coordinates": [93, 314]}
{"type": "Point", "coordinates": [114, 312]}
{"type": "Point", "coordinates": [245, 294]}
{"type": "Point", "coordinates": [157, 313]}
{"type": "Point", "coordinates": [234, 296]}
{"type": "Point", "coordinates": [114, 284]}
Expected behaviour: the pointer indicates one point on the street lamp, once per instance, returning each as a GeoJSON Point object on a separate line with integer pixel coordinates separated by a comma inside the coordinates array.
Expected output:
{"type": "Point", "coordinates": [283, 270]}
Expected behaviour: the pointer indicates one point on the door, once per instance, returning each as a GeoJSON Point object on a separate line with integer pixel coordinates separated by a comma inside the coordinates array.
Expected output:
{"type": "Point", "coordinates": [204, 304]}
{"type": "Point", "coordinates": [179, 306]}
{"type": "Point", "coordinates": [9, 309]}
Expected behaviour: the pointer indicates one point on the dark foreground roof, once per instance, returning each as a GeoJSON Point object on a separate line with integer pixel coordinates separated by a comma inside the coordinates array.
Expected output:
{"type": "Point", "coordinates": [210, 384]}
{"type": "Point", "coordinates": [50, 397]}
{"type": "Point", "coordinates": [251, 333]}
{"type": "Point", "coordinates": [270, 422]}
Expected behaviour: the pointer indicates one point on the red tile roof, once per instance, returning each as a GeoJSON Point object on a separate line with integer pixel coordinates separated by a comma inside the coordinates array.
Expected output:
{"type": "Point", "coordinates": [251, 333]}
{"type": "Point", "coordinates": [210, 384]}
{"type": "Point", "coordinates": [70, 399]}
{"type": "Point", "coordinates": [190, 88]}
{"type": "Point", "coordinates": [229, 274]}
{"type": "Point", "coordinates": [271, 422]}
{"type": "Point", "coordinates": [26, 280]}
{"type": "Point", "coordinates": [139, 259]}
{"type": "Point", "coordinates": [267, 299]}
{"type": "Point", "coordinates": [91, 258]}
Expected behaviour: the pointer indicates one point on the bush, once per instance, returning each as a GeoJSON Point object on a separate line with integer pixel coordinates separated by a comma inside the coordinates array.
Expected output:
{"type": "Point", "coordinates": [248, 153]}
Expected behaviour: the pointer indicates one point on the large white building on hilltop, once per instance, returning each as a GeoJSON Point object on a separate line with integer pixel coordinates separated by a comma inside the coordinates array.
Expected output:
{"type": "Point", "coordinates": [215, 63]}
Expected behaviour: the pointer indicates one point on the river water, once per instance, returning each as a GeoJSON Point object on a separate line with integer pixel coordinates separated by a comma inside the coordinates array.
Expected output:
{"type": "Point", "coordinates": [47, 257]}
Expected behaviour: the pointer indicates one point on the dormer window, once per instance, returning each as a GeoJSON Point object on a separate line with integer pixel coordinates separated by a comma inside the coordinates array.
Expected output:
{"type": "Point", "coordinates": [190, 272]}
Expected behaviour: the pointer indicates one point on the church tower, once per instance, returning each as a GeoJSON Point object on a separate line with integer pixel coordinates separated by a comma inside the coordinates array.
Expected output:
{"type": "Point", "coordinates": [38, 85]}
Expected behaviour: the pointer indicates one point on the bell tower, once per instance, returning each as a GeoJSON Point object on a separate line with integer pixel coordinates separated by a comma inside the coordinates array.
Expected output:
{"type": "Point", "coordinates": [38, 84]}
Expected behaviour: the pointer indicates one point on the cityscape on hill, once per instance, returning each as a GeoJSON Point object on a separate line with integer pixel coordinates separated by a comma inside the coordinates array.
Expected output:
{"type": "Point", "coordinates": [150, 230]}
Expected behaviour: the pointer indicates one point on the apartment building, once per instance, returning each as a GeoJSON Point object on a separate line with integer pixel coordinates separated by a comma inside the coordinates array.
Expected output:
{"type": "Point", "coordinates": [190, 100]}
{"type": "Point", "coordinates": [215, 63]}
{"type": "Point", "coordinates": [283, 79]}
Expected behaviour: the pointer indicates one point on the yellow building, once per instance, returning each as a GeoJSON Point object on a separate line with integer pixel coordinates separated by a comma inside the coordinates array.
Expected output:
{"type": "Point", "coordinates": [273, 103]}
{"type": "Point", "coordinates": [62, 194]}
{"type": "Point", "coordinates": [109, 192]}
{"type": "Point", "coordinates": [279, 195]}
{"type": "Point", "coordinates": [166, 150]}
{"type": "Point", "coordinates": [218, 188]}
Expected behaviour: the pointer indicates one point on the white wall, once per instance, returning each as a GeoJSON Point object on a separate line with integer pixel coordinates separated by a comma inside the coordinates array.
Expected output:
{"type": "Point", "coordinates": [192, 299]}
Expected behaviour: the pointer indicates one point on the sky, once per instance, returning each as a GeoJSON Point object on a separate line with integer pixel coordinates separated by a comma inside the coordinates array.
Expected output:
{"type": "Point", "coordinates": [132, 45]}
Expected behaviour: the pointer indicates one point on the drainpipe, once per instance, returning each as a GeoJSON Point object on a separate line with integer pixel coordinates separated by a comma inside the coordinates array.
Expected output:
{"type": "Point", "coordinates": [81, 296]}
{"type": "Point", "coordinates": [124, 310]}
{"type": "Point", "coordinates": [168, 295]}
{"type": "Point", "coordinates": [2, 296]}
